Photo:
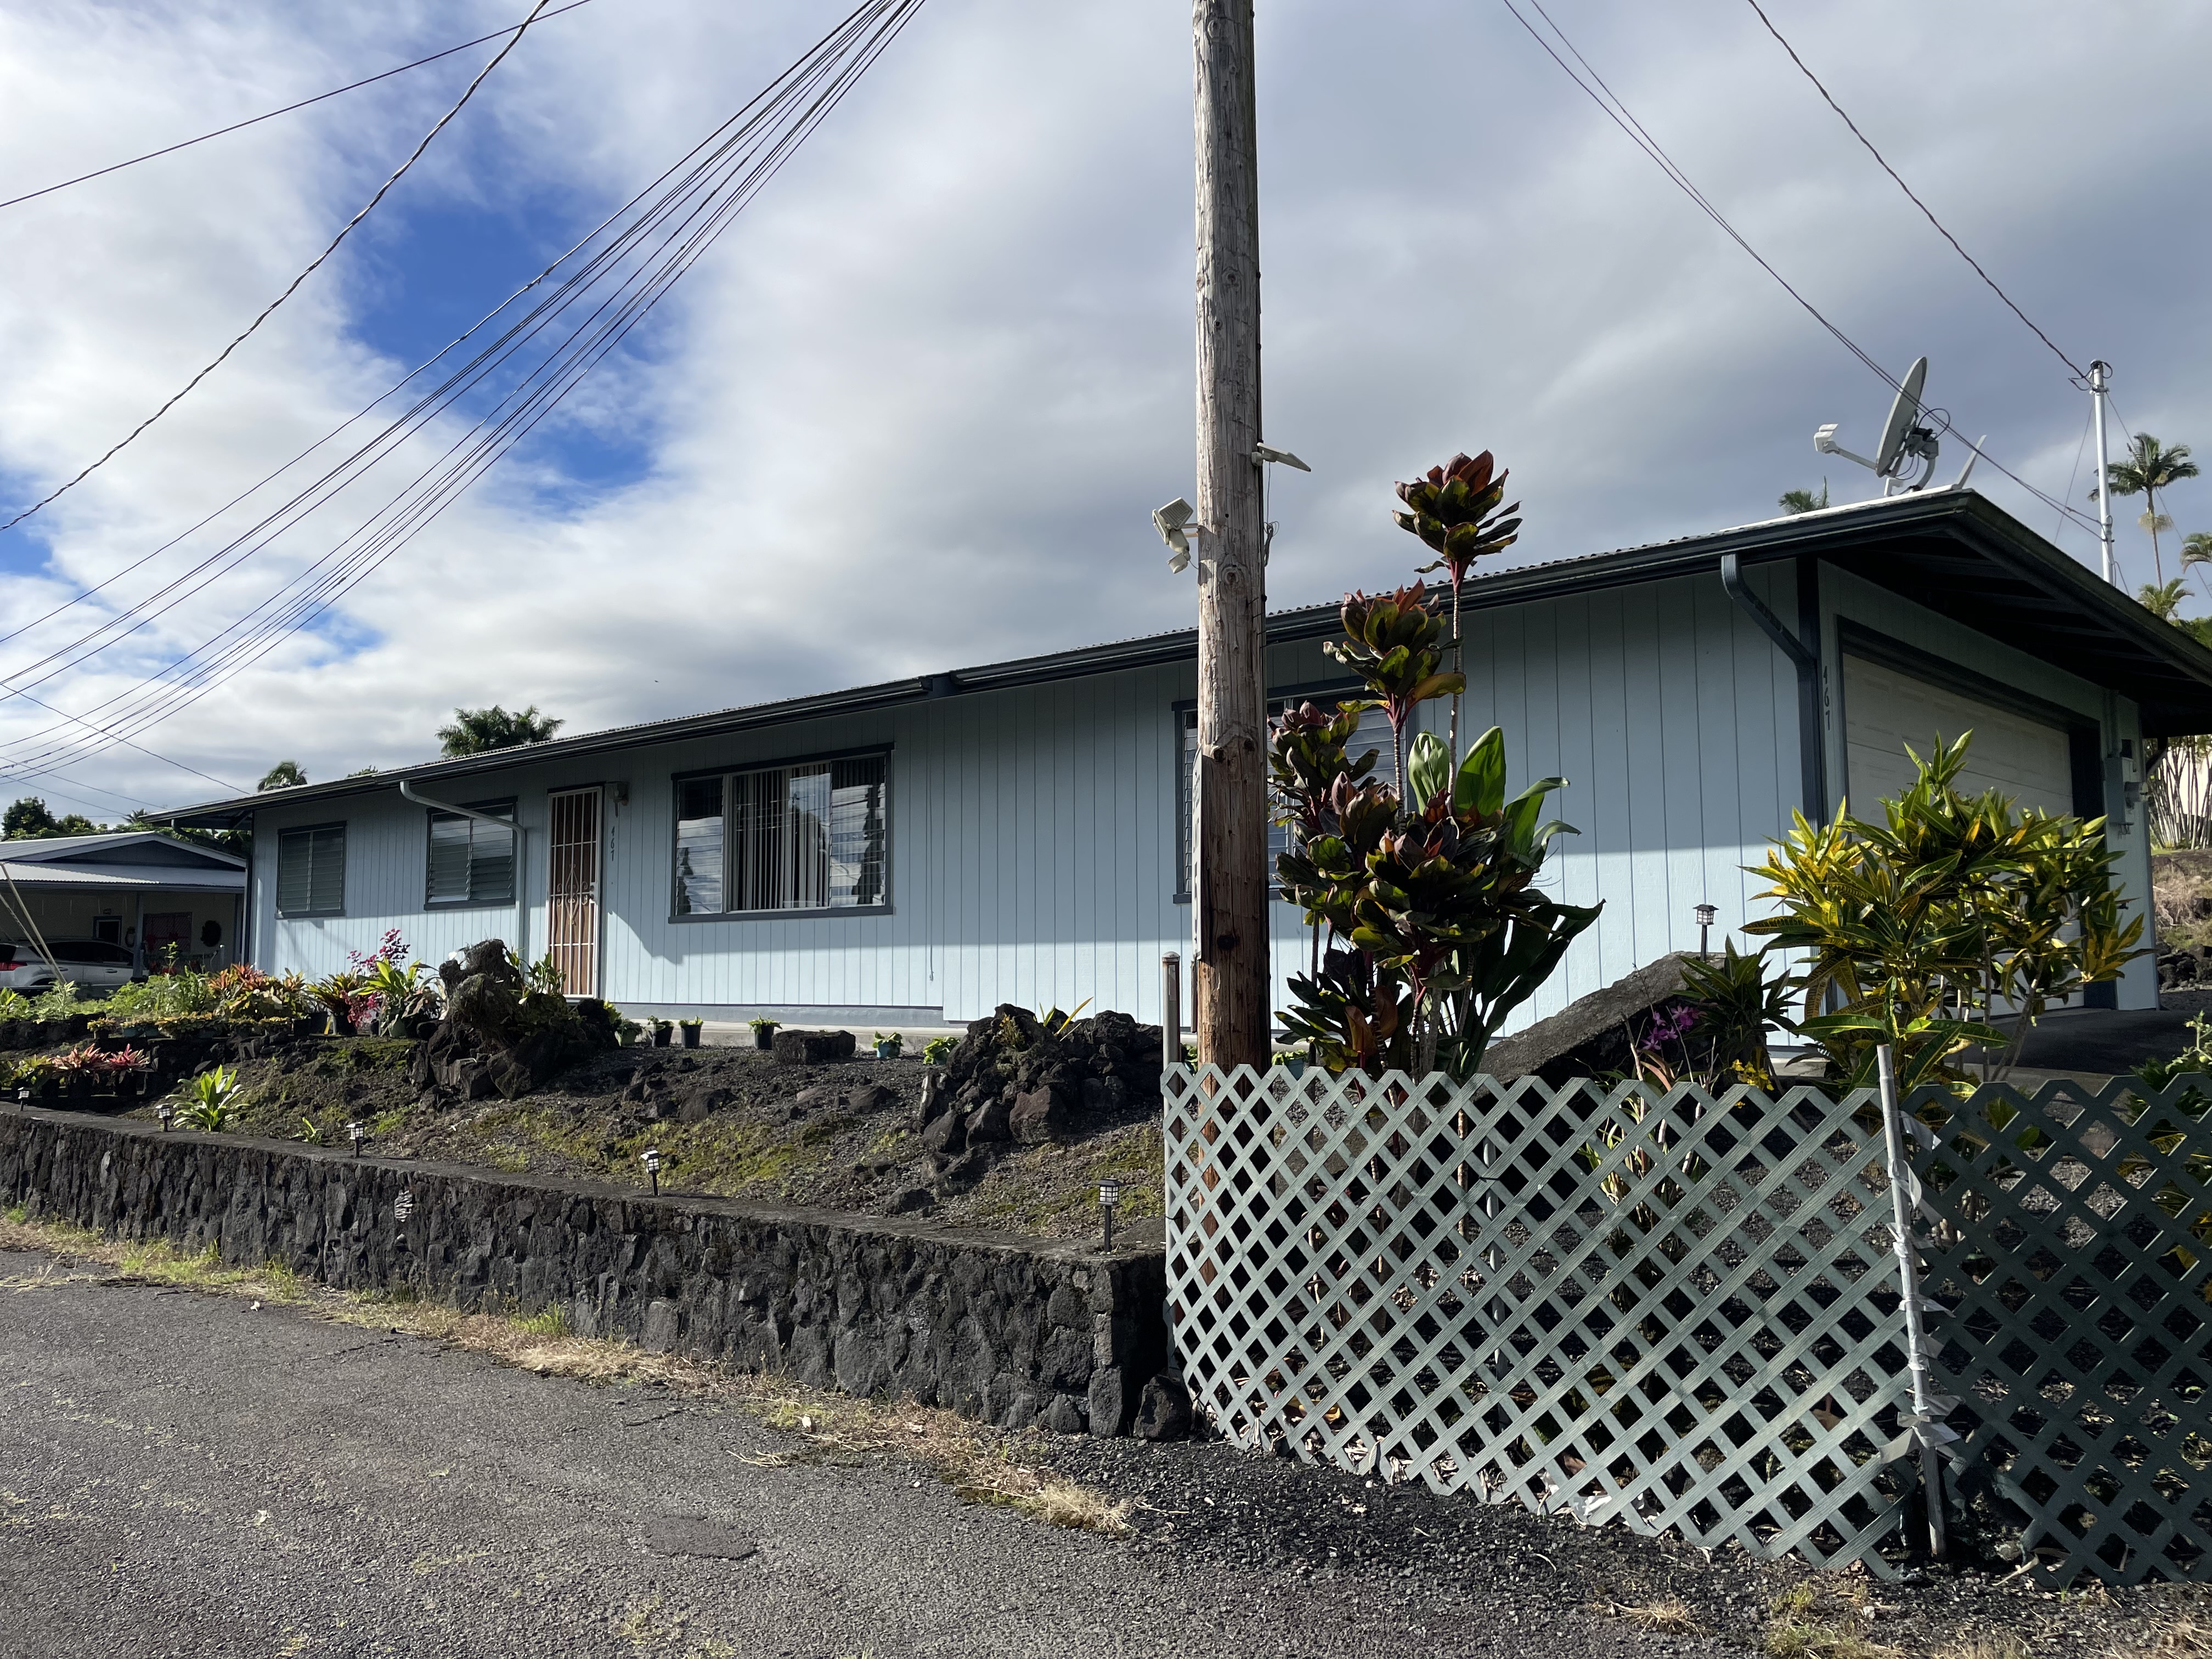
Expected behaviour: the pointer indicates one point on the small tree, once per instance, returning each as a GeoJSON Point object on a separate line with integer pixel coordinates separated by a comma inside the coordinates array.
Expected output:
{"type": "Point", "coordinates": [285, 774]}
{"type": "Point", "coordinates": [477, 731]}
{"type": "Point", "coordinates": [28, 817]}
{"type": "Point", "coordinates": [1924, 925]}
{"type": "Point", "coordinates": [1794, 501]}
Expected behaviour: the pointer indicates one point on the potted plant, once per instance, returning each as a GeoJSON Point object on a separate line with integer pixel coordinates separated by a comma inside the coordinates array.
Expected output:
{"type": "Point", "coordinates": [764, 1032]}
{"type": "Point", "coordinates": [691, 1029]}
{"type": "Point", "coordinates": [662, 1030]}
{"type": "Point", "coordinates": [887, 1045]}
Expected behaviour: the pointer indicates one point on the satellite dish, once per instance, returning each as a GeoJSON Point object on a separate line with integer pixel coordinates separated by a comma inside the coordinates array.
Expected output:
{"type": "Point", "coordinates": [1904, 416]}
{"type": "Point", "coordinates": [1906, 438]}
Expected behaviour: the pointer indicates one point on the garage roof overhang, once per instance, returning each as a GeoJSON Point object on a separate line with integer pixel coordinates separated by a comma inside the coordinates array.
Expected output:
{"type": "Point", "coordinates": [1951, 550]}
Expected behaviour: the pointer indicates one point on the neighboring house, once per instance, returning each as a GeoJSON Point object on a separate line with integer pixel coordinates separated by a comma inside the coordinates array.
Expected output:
{"type": "Point", "coordinates": [926, 848]}
{"type": "Point", "coordinates": [140, 894]}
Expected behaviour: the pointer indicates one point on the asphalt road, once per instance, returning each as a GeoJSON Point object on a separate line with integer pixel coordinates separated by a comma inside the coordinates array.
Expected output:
{"type": "Point", "coordinates": [181, 1473]}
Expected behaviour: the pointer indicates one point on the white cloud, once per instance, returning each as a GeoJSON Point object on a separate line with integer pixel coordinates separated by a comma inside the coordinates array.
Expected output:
{"type": "Point", "coordinates": [912, 411]}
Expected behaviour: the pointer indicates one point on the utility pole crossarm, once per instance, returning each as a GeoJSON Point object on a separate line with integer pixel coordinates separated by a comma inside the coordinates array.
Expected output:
{"type": "Point", "coordinates": [1230, 928]}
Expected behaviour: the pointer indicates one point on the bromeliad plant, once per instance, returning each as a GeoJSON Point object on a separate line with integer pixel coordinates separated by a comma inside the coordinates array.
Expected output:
{"type": "Point", "coordinates": [1426, 885]}
{"type": "Point", "coordinates": [1927, 926]}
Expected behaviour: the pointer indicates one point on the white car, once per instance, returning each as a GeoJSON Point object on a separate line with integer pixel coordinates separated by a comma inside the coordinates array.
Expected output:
{"type": "Point", "coordinates": [90, 964]}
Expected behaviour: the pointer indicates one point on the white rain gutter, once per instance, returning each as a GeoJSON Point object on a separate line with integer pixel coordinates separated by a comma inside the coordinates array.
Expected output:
{"type": "Point", "coordinates": [520, 945]}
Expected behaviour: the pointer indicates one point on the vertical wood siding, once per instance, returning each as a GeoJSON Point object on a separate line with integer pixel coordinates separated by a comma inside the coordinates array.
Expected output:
{"type": "Point", "coordinates": [1033, 837]}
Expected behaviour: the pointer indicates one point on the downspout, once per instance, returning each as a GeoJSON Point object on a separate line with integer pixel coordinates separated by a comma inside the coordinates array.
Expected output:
{"type": "Point", "coordinates": [513, 825]}
{"type": "Point", "coordinates": [1812, 742]}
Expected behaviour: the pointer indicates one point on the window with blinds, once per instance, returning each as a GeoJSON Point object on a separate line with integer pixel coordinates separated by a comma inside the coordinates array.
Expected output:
{"type": "Point", "coordinates": [311, 872]}
{"type": "Point", "coordinates": [812, 836]}
{"type": "Point", "coordinates": [1373, 735]}
{"type": "Point", "coordinates": [472, 862]}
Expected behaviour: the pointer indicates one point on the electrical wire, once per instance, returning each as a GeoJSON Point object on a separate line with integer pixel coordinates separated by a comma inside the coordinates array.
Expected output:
{"type": "Point", "coordinates": [270, 115]}
{"type": "Point", "coordinates": [1619, 112]}
{"type": "Point", "coordinates": [1927, 212]}
{"type": "Point", "coordinates": [688, 216]}
{"type": "Point", "coordinates": [291, 288]}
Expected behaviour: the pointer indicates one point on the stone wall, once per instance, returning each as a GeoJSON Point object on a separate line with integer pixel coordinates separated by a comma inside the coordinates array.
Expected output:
{"type": "Point", "coordinates": [1014, 1330]}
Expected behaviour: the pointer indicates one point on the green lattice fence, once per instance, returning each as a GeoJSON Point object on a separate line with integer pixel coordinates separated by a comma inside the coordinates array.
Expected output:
{"type": "Point", "coordinates": [1681, 1311]}
{"type": "Point", "coordinates": [2070, 1233]}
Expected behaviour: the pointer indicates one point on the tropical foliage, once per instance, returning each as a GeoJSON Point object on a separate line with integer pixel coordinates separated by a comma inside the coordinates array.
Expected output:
{"type": "Point", "coordinates": [1954, 908]}
{"type": "Point", "coordinates": [1430, 928]}
{"type": "Point", "coordinates": [1794, 501]}
{"type": "Point", "coordinates": [28, 818]}
{"type": "Point", "coordinates": [211, 1100]}
{"type": "Point", "coordinates": [476, 731]}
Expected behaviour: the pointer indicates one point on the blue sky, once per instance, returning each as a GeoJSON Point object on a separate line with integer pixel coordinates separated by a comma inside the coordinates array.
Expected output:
{"type": "Point", "coordinates": [952, 341]}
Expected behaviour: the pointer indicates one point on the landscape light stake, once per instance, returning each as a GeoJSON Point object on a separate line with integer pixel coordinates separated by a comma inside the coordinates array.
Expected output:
{"type": "Point", "coordinates": [165, 1111]}
{"type": "Point", "coordinates": [358, 1135]}
{"type": "Point", "coordinates": [1706, 916]}
{"type": "Point", "coordinates": [652, 1161]}
{"type": "Point", "coordinates": [1109, 1194]}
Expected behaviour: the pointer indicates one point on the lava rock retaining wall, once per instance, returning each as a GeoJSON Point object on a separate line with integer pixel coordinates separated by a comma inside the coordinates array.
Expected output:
{"type": "Point", "coordinates": [1015, 1330]}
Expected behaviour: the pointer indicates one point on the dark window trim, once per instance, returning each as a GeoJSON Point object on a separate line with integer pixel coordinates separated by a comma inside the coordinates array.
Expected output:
{"type": "Point", "coordinates": [276, 876]}
{"type": "Point", "coordinates": [513, 804]}
{"type": "Point", "coordinates": [677, 780]}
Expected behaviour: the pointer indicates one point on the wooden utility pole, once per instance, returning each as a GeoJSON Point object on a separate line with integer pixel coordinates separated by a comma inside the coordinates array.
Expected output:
{"type": "Point", "coordinates": [1230, 898]}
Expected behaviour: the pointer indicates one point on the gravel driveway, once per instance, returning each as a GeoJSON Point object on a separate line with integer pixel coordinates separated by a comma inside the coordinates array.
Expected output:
{"type": "Point", "coordinates": [183, 1474]}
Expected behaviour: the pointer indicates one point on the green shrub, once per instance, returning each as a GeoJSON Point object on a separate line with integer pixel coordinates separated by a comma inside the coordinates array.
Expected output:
{"type": "Point", "coordinates": [164, 996]}
{"type": "Point", "coordinates": [938, 1050]}
{"type": "Point", "coordinates": [58, 1001]}
{"type": "Point", "coordinates": [211, 1101]}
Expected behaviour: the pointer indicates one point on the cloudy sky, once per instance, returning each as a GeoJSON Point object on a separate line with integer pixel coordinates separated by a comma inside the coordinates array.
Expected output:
{"type": "Point", "coordinates": [912, 409]}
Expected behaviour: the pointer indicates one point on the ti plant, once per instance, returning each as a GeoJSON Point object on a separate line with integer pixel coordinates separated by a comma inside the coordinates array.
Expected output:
{"type": "Point", "coordinates": [211, 1100]}
{"type": "Point", "coordinates": [1454, 511]}
{"type": "Point", "coordinates": [1953, 910]}
{"type": "Point", "coordinates": [1425, 886]}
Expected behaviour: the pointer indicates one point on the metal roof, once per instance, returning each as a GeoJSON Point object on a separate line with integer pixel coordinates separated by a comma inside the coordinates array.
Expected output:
{"type": "Point", "coordinates": [36, 851]}
{"type": "Point", "coordinates": [126, 878]}
{"type": "Point", "coordinates": [1953, 552]}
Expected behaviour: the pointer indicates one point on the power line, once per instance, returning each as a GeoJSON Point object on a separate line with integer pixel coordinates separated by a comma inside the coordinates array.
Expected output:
{"type": "Point", "coordinates": [1619, 112]}
{"type": "Point", "coordinates": [740, 157]}
{"type": "Point", "coordinates": [313, 265]}
{"type": "Point", "coordinates": [270, 115]}
{"type": "Point", "coordinates": [2079, 373]}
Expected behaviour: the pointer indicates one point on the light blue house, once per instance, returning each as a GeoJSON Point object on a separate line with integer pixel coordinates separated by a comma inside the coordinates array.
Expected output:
{"type": "Point", "coordinates": [924, 850]}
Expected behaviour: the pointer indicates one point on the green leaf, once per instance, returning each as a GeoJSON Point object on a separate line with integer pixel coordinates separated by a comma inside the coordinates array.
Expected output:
{"type": "Point", "coordinates": [1481, 784]}
{"type": "Point", "coordinates": [1428, 766]}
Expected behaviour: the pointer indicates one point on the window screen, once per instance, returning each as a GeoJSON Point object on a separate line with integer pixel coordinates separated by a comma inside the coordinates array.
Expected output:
{"type": "Point", "coordinates": [311, 872]}
{"type": "Point", "coordinates": [805, 837]}
{"type": "Point", "coordinates": [472, 862]}
{"type": "Point", "coordinates": [1373, 736]}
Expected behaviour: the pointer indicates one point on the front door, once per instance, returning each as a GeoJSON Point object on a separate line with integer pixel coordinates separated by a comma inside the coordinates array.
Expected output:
{"type": "Point", "coordinates": [571, 899]}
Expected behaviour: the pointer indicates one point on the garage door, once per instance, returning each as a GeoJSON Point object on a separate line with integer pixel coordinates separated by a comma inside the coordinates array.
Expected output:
{"type": "Point", "coordinates": [1884, 710]}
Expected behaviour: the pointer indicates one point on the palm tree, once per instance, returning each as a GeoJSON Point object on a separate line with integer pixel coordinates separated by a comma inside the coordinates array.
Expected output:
{"type": "Point", "coordinates": [476, 730]}
{"type": "Point", "coordinates": [2149, 468]}
{"type": "Point", "coordinates": [2163, 600]}
{"type": "Point", "coordinates": [2196, 549]}
{"type": "Point", "coordinates": [285, 774]}
{"type": "Point", "coordinates": [1804, 501]}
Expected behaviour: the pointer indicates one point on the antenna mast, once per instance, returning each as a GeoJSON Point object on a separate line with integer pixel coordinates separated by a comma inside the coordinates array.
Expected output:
{"type": "Point", "coordinates": [2100, 380]}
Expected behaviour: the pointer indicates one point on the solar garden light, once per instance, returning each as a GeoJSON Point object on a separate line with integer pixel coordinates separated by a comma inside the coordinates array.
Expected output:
{"type": "Point", "coordinates": [1706, 916]}
{"type": "Point", "coordinates": [168, 1114]}
{"type": "Point", "coordinates": [652, 1161]}
{"type": "Point", "coordinates": [1109, 1194]}
{"type": "Point", "coordinates": [358, 1134]}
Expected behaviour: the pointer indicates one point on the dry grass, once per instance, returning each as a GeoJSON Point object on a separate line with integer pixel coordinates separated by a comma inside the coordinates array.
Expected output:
{"type": "Point", "coordinates": [1982, 1647]}
{"type": "Point", "coordinates": [1821, 1619]}
{"type": "Point", "coordinates": [979, 1462]}
{"type": "Point", "coordinates": [2183, 1638]}
{"type": "Point", "coordinates": [1669, 1614]}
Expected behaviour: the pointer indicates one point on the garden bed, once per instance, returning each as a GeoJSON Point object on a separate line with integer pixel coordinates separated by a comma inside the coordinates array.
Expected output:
{"type": "Point", "coordinates": [727, 1122]}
